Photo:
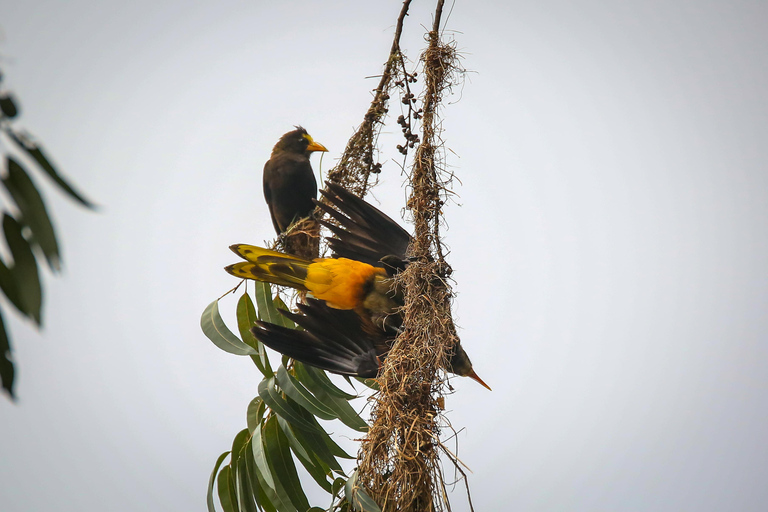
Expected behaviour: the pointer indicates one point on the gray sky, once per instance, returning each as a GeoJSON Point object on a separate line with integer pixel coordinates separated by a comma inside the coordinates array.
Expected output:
{"type": "Point", "coordinates": [610, 248]}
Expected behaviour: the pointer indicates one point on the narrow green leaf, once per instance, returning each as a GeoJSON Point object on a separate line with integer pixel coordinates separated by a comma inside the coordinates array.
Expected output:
{"type": "Point", "coordinates": [9, 286]}
{"type": "Point", "coordinates": [246, 317]}
{"type": "Point", "coordinates": [255, 414]}
{"type": "Point", "coordinates": [7, 370]}
{"type": "Point", "coordinates": [364, 502]}
{"type": "Point", "coordinates": [8, 106]}
{"type": "Point", "coordinates": [225, 495]}
{"type": "Point", "coordinates": [217, 331]}
{"type": "Point", "coordinates": [318, 441]}
{"type": "Point", "coordinates": [233, 486]}
{"type": "Point", "coordinates": [314, 443]}
{"type": "Point", "coordinates": [338, 485]}
{"type": "Point", "coordinates": [281, 464]}
{"type": "Point", "coordinates": [343, 410]}
{"type": "Point", "coordinates": [280, 502]}
{"type": "Point", "coordinates": [315, 379]}
{"type": "Point", "coordinates": [370, 383]}
{"type": "Point", "coordinates": [34, 150]}
{"type": "Point", "coordinates": [241, 438]}
{"type": "Point", "coordinates": [245, 492]}
{"type": "Point", "coordinates": [257, 482]}
{"type": "Point", "coordinates": [316, 469]}
{"type": "Point", "coordinates": [302, 396]}
{"type": "Point", "coordinates": [357, 496]}
{"type": "Point", "coordinates": [267, 310]}
{"type": "Point", "coordinates": [278, 404]}
{"type": "Point", "coordinates": [282, 319]}
{"type": "Point", "coordinates": [212, 480]}
{"type": "Point", "coordinates": [24, 270]}
{"type": "Point", "coordinates": [33, 212]}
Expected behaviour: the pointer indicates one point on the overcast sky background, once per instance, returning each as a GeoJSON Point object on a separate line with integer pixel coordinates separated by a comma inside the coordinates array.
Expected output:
{"type": "Point", "coordinates": [609, 249]}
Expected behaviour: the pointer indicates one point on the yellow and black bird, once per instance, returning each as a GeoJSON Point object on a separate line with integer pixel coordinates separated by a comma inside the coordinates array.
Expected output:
{"type": "Point", "coordinates": [290, 187]}
{"type": "Point", "coordinates": [354, 317]}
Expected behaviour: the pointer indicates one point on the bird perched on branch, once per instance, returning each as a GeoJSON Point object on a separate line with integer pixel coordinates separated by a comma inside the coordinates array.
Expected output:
{"type": "Point", "coordinates": [290, 187]}
{"type": "Point", "coordinates": [354, 317]}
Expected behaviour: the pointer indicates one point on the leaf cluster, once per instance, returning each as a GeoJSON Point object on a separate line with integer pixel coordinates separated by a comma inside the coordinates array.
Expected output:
{"type": "Point", "coordinates": [26, 224]}
{"type": "Point", "coordinates": [282, 425]}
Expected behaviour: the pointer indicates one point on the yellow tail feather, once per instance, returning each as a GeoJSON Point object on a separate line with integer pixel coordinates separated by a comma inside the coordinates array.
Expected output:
{"type": "Point", "coordinates": [341, 282]}
{"type": "Point", "coordinates": [269, 266]}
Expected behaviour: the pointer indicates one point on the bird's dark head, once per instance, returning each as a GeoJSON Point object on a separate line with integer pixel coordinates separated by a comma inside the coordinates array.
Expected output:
{"type": "Point", "coordinates": [298, 141]}
{"type": "Point", "coordinates": [393, 264]}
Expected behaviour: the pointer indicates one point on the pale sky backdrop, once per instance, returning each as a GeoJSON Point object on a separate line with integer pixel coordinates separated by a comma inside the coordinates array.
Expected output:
{"type": "Point", "coordinates": [610, 240]}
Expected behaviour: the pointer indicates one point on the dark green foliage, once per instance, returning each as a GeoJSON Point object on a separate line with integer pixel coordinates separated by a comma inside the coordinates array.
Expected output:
{"type": "Point", "coordinates": [262, 474]}
{"type": "Point", "coordinates": [27, 227]}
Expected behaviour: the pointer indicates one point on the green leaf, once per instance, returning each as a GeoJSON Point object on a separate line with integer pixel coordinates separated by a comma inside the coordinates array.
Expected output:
{"type": "Point", "coordinates": [315, 379]}
{"type": "Point", "coordinates": [357, 496]}
{"type": "Point", "coordinates": [370, 383]}
{"type": "Point", "coordinates": [302, 396]}
{"type": "Point", "coordinates": [238, 443]}
{"type": "Point", "coordinates": [36, 152]}
{"type": "Point", "coordinates": [338, 485]}
{"type": "Point", "coordinates": [212, 480]}
{"type": "Point", "coordinates": [24, 270]}
{"type": "Point", "coordinates": [318, 441]}
{"type": "Point", "coordinates": [217, 331]}
{"type": "Point", "coordinates": [7, 370]}
{"type": "Point", "coordinates": [278, 404]}
{"type": "Point", "coordinates": [278, 499]}
{"type": "Point", "coordinates": [246, 317]}
{"type": "Point", "coordinates": [257, 482]}
{"type": "Point", "coordinates": [343, 410]}
{"type": "Point", "coordinates": [33, 213]}
{"type": "Point", "coordinates": [283, 320]}
{"type": "Point", "coordinates": [9, 286]}
{"type": "Point", "coordinates": [281, 464]}
{"type": "Point", "coordinates": [245, 492]}
{"type": "Point", "coordinates": [8, 106]}
{"type": "Point", "coordinates": [226, 498]}
{"type": "Point", "coordinates": [316, 469]}
{"type": "Point", "coordinates": [267, 310]}
{"type": "Point", "coordinates": [233, 486]}
{"type": "Point", "coordinates": [255, 414]}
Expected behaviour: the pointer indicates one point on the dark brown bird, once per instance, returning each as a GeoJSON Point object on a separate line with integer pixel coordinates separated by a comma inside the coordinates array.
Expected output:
{"type": "Point", "coordinates": [352, 327]}
{"type": "Point", "coordinates": [290, 187]}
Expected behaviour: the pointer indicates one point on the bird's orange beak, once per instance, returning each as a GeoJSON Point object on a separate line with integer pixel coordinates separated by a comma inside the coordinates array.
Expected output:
{"type": "Point", "coordinates": [474, 376]}
{"type": "Point", "coordinates": [315, 146]}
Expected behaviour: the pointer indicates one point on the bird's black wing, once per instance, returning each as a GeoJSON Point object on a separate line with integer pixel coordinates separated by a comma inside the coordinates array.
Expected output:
{"type": "Point", "coordinates": [332, 340]}
{"type": "Point", "coordinates": [364, 233]}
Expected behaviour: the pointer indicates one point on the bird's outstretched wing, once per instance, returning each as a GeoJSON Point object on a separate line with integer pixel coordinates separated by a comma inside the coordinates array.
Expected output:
{"type": "Point", "coordinates": [364, 232]}
{"type": "Point", "coordinates": [332, 340]}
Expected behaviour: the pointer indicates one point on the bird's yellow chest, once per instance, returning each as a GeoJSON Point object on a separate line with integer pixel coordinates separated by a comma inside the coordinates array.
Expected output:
{"type": "Point", "coordinates": [340, 282]}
